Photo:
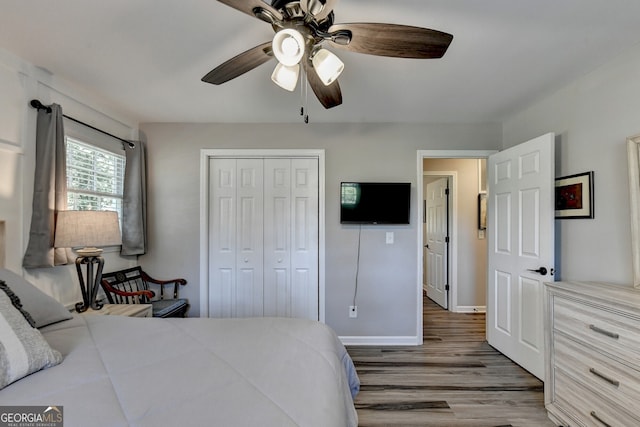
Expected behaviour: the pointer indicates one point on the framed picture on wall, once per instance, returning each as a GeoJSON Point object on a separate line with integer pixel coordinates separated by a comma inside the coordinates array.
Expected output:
{"type": "Point", "coordinates": [574, 196]}
{"type": "Point", "coordinates": [482, 211]}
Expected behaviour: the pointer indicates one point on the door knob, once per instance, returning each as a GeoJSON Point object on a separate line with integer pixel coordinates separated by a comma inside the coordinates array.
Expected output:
{"type": "Point", "coordinates": [541, 270]}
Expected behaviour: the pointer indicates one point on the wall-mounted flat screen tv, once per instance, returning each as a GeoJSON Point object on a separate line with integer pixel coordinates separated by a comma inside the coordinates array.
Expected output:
{"type": "Point", "coordinates": [375, 202]}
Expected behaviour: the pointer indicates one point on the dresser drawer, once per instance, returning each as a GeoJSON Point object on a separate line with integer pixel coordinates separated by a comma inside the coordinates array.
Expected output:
{"type": "Point", "coordinates": [587, 407]}
{"type": "Point", "coordinates": [612, 332]}
{"type": "Point", "coordinates": [618, 382]}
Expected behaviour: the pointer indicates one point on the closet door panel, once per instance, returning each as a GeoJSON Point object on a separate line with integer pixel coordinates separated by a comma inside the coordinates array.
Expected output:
{"type": "Point", "coordinates": [304, 239]}
{"type": "Point", "coordinates": [277, 237]}
{"type": "Point", "coordinates": [249, 251]}
{"type": "Point", "coordinates": [222, 237]}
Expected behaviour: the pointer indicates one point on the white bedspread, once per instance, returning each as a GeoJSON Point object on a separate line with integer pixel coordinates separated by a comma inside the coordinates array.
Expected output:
{"type": "Point", "coordinates": [121, 371]}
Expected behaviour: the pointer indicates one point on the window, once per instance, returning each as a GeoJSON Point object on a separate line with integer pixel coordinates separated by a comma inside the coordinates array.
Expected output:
{"type": "Point", "coordinates": [95, 177]}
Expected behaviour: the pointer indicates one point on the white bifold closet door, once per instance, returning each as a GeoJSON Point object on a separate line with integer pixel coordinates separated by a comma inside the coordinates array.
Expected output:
{"type": "Point", "coordinates": [263, 237]}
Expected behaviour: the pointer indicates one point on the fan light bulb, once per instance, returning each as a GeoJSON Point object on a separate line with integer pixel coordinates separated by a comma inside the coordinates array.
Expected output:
{"type": "Point", "coordinates": [286, 76]}
{"type": "Point", "coordinates": [288, 46]}
{"type": "Point", "coordinates": [328, 66]}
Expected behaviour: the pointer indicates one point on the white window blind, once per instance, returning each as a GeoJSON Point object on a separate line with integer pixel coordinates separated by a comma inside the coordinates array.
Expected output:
{"type": "Point", "coordinates": [94, 177]}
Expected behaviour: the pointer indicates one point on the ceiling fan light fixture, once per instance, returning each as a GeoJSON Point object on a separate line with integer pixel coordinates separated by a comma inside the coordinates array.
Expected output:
{"type": "Point", "coordinates": [288, 46]}
{"type": "Point", "coordinates": [286, 76]}
{"type": "Point", "coordinates": [327, 65]}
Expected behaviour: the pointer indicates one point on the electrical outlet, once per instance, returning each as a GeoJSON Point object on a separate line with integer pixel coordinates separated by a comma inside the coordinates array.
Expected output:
{"type": "Point", "coordinates": [353, 311]}
{"type": "Point", "coordinates": [389, 238]}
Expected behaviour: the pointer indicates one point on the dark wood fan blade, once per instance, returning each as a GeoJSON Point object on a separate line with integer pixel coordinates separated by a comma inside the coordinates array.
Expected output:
{"type": "Point", "coordinates": [329, 96]}
{"type": "Point", "coordinates": [324, 7]}
{"type": "Point", "coordinates": [239, 64]}
{"type": "Point", "coordinates": [398, 41]}
{"type": "Point", "coordinates": [249, 7]}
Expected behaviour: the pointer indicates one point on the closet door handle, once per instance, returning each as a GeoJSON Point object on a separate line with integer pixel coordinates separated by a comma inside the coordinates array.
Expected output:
{"type": "Point", "coordinates": [604, 377]}
{"type": "Point", "coordinates": [613, 335]}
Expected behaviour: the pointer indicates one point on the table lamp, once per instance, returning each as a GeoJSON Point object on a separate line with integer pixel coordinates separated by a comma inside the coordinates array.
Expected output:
{"type": "Point", "coordinates": [88, 230]}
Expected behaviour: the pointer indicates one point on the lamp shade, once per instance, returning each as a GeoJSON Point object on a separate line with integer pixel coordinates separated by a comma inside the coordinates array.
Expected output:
{"type": "Point", "coordinates": [327, 65]}
{"type": "Point", "coordinates": [286, 77]}
{"type": "Point", "coordinates": [87, 229]}
{"type": "Point", "coordinates": [288, 46]}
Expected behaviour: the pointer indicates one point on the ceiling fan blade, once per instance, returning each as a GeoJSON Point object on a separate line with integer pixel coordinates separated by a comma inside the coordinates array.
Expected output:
{"type": "Point", "coordinates": [239, 64]}
{"type": "Point", "coordinates": [256, 8]}
{"type": "Point", "coordinates": [398, 41]}
{"type": "Point", "coordinates": [329, 96]}
{"type": "Point", "coordinates": [320, 9]}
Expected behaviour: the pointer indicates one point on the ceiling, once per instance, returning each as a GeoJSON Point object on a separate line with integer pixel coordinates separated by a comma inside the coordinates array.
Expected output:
{"type": "Point", "coordinates": [146, 57]}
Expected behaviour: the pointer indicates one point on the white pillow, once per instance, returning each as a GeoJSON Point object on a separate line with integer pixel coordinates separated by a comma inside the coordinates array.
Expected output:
{"type": "Point", "coordinates": [23, 349]}
{"type": "Point", "coordinates": [44, 309]}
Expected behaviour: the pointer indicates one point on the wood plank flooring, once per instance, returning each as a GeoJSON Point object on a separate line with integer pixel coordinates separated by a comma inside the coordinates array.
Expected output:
{"type": "Point", "coordinates": [455, 379]}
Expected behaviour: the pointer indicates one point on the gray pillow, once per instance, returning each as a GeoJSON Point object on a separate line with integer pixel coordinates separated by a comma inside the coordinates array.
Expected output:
{"type": "Point", "coordinates": [23, 349]}
{"type": "Point", "coordinates": [43, 309]}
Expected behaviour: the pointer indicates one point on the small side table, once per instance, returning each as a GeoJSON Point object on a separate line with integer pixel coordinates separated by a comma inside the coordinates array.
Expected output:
{"type": "Point", "coordinates": [130, 310]}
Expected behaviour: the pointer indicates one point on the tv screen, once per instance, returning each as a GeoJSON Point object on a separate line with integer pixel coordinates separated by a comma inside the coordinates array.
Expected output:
{"type": "Point", "coordinates": [375, 202]}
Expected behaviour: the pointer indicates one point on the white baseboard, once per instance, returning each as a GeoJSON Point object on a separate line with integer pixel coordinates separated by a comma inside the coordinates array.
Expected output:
{"type": "Point", "coordinates": [471, 309]}
{"type": "Point", "coordinates": [381, 341]}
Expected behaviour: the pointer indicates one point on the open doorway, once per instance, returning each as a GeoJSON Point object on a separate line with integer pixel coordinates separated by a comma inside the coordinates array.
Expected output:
{"type": "Point", "coordinates": [464, 245]}
{"type": "Point", "coordinates": [466, 270]}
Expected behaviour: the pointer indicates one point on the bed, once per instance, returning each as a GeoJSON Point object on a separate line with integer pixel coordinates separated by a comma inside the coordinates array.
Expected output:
{"type": "Point", "coordinates": [123, 371]}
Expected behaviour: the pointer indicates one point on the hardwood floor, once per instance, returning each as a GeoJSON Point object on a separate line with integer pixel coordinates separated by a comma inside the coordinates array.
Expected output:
{"type": "Point", "coordinates": [454, 379]}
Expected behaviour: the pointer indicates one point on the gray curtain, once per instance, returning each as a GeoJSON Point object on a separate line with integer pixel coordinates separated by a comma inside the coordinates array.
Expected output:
{"type": "Point", "coordinates": [49, 192]}
{"type": "Point", "coordinates": [134, 209]}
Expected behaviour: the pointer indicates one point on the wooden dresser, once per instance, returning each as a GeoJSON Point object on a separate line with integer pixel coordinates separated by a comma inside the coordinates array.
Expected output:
{"type": "Point", "coordinates": [592, 375]}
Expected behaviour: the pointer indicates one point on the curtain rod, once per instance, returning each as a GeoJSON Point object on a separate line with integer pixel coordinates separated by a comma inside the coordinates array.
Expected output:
{"type": "Point", "coordinates": [39, 106]}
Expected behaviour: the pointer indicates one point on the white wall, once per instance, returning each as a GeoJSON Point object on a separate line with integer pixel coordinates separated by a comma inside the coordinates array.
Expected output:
{"type": "Point", "coordinates": [592, 117]}
{"type": "Point", "coordinates": [19, 83]}
{"type": "Point", "coordinates": [387, 298]}
{"type": "Point", "coordinates": [387, 289]}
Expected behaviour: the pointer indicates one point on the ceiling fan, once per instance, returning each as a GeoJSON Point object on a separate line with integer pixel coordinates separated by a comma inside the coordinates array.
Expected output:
{"type": "Point", "coordinates": [302, 29]}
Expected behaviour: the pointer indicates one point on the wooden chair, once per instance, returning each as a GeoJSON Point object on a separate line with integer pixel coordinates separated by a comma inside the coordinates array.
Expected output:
{"type": "Point", "coordinates": [131, 286]}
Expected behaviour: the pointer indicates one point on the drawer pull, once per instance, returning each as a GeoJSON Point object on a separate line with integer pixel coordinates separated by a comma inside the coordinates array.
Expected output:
{"type": "Point", "coordinates": [604, 332]}
{"type": "Point", "coordinates": [604, 377]}
{"type": "Point", "coordinates": [597, 418]}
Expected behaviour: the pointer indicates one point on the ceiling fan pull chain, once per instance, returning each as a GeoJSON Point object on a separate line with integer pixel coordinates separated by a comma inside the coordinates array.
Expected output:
{"type": "Point", "coordinates": [306, 93]}
{"type": "Point", "coordinates": [304, 90]}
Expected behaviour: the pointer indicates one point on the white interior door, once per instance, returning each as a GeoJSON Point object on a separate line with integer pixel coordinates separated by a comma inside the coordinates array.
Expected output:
{"type": "Point", "coordinates": [291, 238]}
{"type": "Point", "coordinates": [521, 249]}
{"type": "Point", "coordinates": [437, 236]}
{"type": "Point", "coordinates": [264, 237]}
{"type": "Point", "coordinates": [236, 238]}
